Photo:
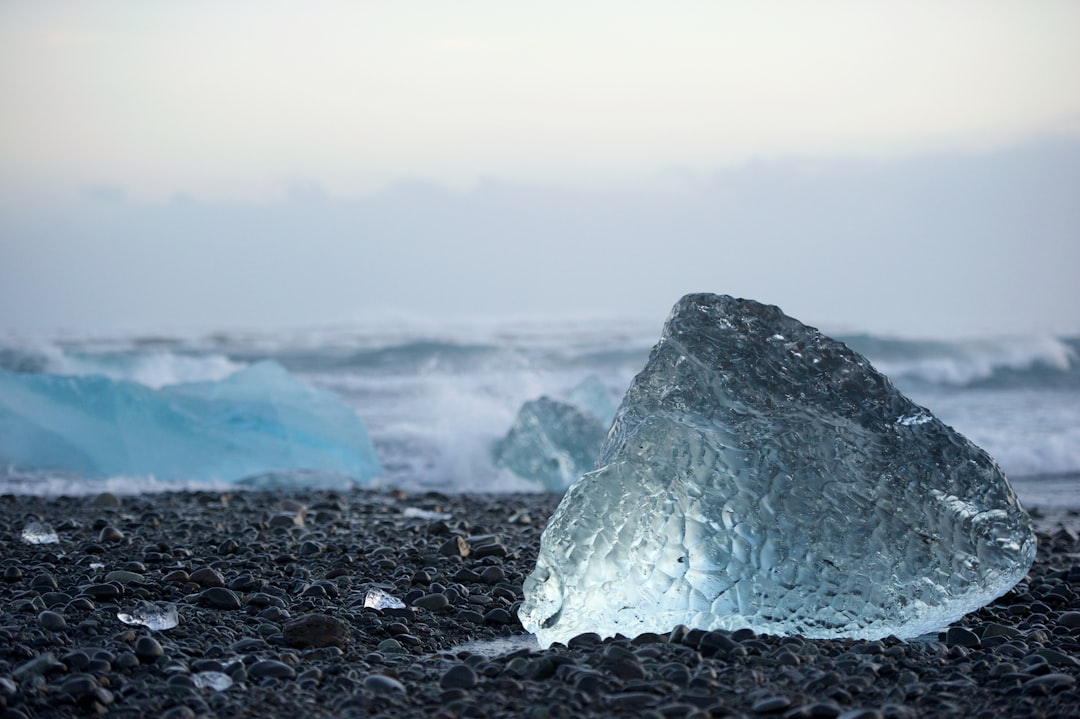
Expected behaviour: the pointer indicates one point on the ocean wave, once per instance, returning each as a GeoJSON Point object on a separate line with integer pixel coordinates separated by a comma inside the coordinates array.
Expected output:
{"type": "Point", "coordinates": [1017, 361]}
{"type": "Point", "coordinates": [152, 367]}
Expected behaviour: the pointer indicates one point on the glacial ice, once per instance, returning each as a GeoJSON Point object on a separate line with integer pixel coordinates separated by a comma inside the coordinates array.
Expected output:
{"type": "Point", "coordinates": [255, 421]}
{"type": "Point", "coordinates": [759, 474]}
{"type": "Point", "coordinates": [154, 616]}
{"type": "Point", "coordinates": [554, 441]}
{"type": "Point", "coordinates": [217, 681]}
{"type": "Point", "coordinates": [36, 532]}
{"type": "Point", "coordinates": [378, 599]}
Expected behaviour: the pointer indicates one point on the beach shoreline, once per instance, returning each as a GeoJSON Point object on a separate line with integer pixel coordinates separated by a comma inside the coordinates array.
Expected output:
{"type": "Point", "coordinates": [270, 589]}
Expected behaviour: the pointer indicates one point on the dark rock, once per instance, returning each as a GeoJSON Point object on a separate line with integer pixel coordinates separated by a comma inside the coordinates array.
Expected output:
{"type": "Point", "coordinates": [179, 576]}
{"type": "Point", "coordinates": [317, 630]}
{"type": "Point", "coordinates": [206, 577]}
{"type": "Point", "coordinates": [148, 649]}
{"type": "Point", "coordinates": [498, 617]}
{"type": "Point", "coordinates": [219, 598]}
{"type": "Point", "coordinates": [459, 675]}
{"type": "Point", "coordinates": [455, 547]}
{"type": "Point", "coordinates": [52, 620]}
{"type": "Point", "coordinates": [769, 705]}
{"type": "Point", "coordinates": [382, 684]}
{"type": "Point", "coordinates": [1048, 683]}
{"type": "Point", "coordinates": [962, 637]}
{"type": "Point", "coordinates": [1067, 619]}
{"type": "Point", "coordinates": [102, 592]}
{"type": "Point", "coordinates": [271, 668]}
{"type": "Point", "coordinates": [106, 499]}
{"type": "Point", "coordinates": [433, 602]}
{"type": "Point", "coordinates": [110, 534]}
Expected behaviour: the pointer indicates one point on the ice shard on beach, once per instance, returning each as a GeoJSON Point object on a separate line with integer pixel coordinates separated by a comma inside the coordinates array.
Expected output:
{"type": "Point", "coordinates": [554, 441]}
{"type": "Point", "coordinates": [760, 474]}
{"type": "Point", "coordinates": [257, 420]}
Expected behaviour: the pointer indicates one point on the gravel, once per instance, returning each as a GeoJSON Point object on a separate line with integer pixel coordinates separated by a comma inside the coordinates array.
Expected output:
{"type": "Point", "coordinates": [270, 590]}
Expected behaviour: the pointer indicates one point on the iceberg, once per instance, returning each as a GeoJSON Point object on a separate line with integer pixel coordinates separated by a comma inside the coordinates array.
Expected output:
{"type": "Point", "coordinates": [554, 441]}
{"type": "Point", "coordinates": [258, 420]}
{"type": "Point", "coordinates": [759, 474]}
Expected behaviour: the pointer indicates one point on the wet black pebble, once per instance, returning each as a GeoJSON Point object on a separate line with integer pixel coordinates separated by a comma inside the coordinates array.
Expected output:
{"type": "Point", "coordinates": [271, 668]}
{"type": "Point", "coordinates": [382, 684]}
{"type": "Point", "coordinates": [316, 630]}
{"type": "Point", "coordinates": [460, 675]}
{"type": "Point", "coordinates": [219, 598]}
{"type": "Point", "coordinates": [102, 592]}
{"type": "Point", "coordinates": [110, 534]}
{"type": "Point", "coordinates": [52, 620]}
{"type": "Point", "coordinates": [962, 637]}
{"type": "Point", "coordinates": [432, 601]}
{"type": "Point", "coordinates": [1067, 619]}
{"type": "Point", "coordinates": [768, 705]}
{"type": "Point", "coordinates": [206, 577]}
{"type": "Point", "coordinates": [148, 649]}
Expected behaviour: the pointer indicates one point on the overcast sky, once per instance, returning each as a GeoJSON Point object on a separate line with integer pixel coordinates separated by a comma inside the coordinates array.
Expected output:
{"type": "Point", "coordinates": [909, 168]}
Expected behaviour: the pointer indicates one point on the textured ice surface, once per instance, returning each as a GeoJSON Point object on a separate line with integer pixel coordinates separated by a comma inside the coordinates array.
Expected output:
{"type": "Point", "coordinates": [554, 441]}
{"type": "Point", "coordinates": [36, 532]}
{"type": "Point", "coordinates": [378, 599]}
{"type": "Point", "coordinates": [218, 681]}
{"type": "Point", "coordinates": [759, 474]}
{"type": "Point", "coordinates": [257, 420]}
{"type": "Point", "coordinates": [153, 616]}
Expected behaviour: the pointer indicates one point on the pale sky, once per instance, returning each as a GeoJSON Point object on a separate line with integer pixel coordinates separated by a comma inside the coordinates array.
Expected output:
{"type": "Point", "coordinates": [271, 162]}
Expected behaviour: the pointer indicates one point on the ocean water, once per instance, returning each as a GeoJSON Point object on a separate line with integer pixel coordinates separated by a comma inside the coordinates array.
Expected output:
{"type": "Point", "coordinates": [435, 398]}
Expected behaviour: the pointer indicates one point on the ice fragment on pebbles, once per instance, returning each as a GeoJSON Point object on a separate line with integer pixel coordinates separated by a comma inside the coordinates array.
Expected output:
{"type": "Point", "coordinates": [759, 474]}
{"type": "Point", "coordinates": [218, 681]}
{"type": "Point", "coordinates": [156, 617]}
{"type": "Point", "coordinates": [39, 533]}
{"type": "Point", "coordinates": [378, 599]}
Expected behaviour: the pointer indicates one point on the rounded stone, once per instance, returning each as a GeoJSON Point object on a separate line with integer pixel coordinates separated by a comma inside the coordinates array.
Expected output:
{"type": "Point", "coordinates": [102, 592]}
{"type": "Point", "coordinates": [1069, 619]}
{"type": "Point", "coordinates": [271, 668]}
{"type": "Point", "coordinates": [148, 649]}
{"type": "Point", "coordinates": [382, 684]}
{"type": "Point", "coordinates": [460, 676]}
{"type": "Point", "coordinates": [206, 577]}
{"type": "Point", "coordinates": [962, 637]}
{"type": "Point", "coordinates": [317, 630]}
{"type": "Point", "coordinates": [110, 534]}
{"type": "Point", "coordinates": [52, 620]}
{"type": "Point", "coordinates": [124, 577]}
{"type": "Point", "coordinates": [219, 598]}
{"type": "Point", "coordinates": [768, 705]}
{"type": "Point", "coordinates": [432, 602]}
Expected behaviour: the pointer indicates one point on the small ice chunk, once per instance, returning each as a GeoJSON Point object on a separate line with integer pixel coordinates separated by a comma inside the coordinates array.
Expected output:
{"type": "Point", "coordinates": [378, 599]}
{"type": "Point", "coordinates": [154, 616]}
{"type": "Point", "coordinates": [39, 533]}
{"type": "Point", "coordinates": [417, 513]}
{"type": "Point", "coordinates": [914, 418]}
{"type": "Point", "coordinates": [218, 681]}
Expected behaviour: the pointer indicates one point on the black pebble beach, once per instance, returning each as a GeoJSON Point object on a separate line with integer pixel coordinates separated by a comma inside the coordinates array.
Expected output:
{"type": "Point", "coordinates": [270, 590]}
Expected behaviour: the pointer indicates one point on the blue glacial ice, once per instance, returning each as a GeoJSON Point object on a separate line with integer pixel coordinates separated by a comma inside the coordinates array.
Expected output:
{"type": "Point", "coordinates": [759, 474]}
{"type": "Point", "coordinates": [256, 421]}
{"type": "Point", "coordinates": [553, 441]}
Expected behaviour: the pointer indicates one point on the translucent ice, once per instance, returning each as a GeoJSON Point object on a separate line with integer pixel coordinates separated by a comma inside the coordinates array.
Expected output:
{"type": "Point", "coordinates": [153, 616]}
{"type": "Point", "coordinates": [378, 599]}
{"type": "Point", "coordinates": [554, 441]}
{"type": "Point", "coordinates": [218, 681]}
{"type": "Point", "coordinates": [257, 420]}
{"type": "Point", "coordinates": [39, 533]}
{"type": "Point", "coordinates": [759, 474]}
